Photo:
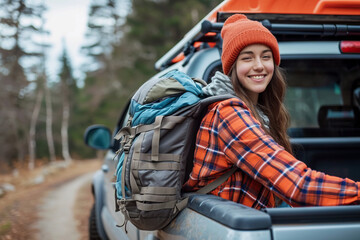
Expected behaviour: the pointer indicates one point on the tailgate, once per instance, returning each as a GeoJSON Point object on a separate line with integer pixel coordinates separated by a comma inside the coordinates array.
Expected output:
{"type": "Point", "coordinates": [328, 223]}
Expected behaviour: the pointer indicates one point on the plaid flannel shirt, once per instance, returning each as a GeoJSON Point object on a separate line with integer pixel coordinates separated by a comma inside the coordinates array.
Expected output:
{"type": "Point", "coordinates": [230, 135]}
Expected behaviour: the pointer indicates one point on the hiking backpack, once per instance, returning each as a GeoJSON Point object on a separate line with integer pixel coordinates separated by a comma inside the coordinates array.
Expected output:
{"type": "Point", "coordinates": [157, 147]}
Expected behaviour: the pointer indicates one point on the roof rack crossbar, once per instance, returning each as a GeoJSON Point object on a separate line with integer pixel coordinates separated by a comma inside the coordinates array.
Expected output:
{"type": "Point", "coordinates": [312, 29]}
{"type": "Point", "coordinates": [296, 29]}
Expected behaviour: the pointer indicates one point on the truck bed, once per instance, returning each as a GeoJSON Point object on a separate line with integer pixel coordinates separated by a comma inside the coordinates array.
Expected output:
{"type": "Point", "coordinates": [228, 220]}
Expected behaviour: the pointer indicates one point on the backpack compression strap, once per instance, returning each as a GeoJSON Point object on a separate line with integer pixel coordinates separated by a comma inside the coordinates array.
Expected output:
{"type": "Point", "coordinates": [208, 188]}
{"type": "Point", "coordinates": [217, 182]}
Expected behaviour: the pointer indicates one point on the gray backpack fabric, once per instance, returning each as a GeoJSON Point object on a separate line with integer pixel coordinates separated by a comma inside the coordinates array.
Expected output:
{"type": "Point", "coordinates": [157, 149]}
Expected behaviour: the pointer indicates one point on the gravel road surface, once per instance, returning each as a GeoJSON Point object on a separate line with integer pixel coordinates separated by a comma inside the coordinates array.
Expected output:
{"type": "Point", "coordinates": [56, 211]}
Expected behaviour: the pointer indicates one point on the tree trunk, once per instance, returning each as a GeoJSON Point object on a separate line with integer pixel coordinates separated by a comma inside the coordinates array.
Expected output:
{"type": "Point", "coordinates": [49, 134]}
{"type": "Point", "coordinates": [64, 131]}
{"type": "Point", "coordinates": [32, 132]}
{"type": "Point", "coordinates": [15, 129]}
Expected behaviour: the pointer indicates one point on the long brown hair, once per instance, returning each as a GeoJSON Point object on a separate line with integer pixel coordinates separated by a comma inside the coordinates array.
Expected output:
{"type": "Point", "coordinates": [270, 102]}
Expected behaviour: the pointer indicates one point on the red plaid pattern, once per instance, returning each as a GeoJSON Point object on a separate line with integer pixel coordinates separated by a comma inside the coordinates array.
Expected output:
{"type": "Point", "coordinates": [230, 135]}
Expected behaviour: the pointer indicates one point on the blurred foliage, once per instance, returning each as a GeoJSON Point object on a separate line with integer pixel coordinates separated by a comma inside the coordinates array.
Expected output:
{"type": "Point", "coordinates": [124, 40]}
{"type": "Point", "coordinates": [149, 31]}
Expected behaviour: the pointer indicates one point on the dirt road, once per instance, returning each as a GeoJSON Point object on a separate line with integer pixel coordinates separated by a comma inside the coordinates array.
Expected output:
{"type": "Point", "coordinates": [56, 211]}
{"type": "Point", "coordinates": [57, 208]}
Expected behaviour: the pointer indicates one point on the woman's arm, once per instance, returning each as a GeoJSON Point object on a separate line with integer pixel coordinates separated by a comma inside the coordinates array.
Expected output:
{"type": "Point", "coordinates": [258, 155]}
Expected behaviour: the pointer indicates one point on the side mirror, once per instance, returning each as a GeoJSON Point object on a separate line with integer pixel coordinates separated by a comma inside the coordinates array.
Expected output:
{"type": "Point", "coordinates": [98, 137]}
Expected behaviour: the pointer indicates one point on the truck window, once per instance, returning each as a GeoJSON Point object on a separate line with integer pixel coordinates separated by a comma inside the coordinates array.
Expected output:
{"type": "Point", "coordinates": [314, 83]}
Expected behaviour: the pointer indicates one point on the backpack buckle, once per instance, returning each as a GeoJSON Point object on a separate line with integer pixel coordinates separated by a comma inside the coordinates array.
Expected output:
{"type": "Point", "coordinates": [127, 144]}
{"type": "Point", "coordinates": [126, 147]}
{"type": "Point", "coordinates": [121, 202]}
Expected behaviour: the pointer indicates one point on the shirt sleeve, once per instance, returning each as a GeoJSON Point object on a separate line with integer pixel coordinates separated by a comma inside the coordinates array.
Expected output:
{"type": "Point", "coordinates": [245, 144]}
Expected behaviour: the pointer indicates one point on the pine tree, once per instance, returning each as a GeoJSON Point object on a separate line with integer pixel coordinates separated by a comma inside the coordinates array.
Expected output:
{"type": "Point", "coordinates": [18, 23]}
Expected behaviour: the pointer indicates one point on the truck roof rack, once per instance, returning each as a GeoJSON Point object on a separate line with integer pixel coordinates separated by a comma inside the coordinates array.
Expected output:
{"type": "Point", "coordinates": [289, 27]}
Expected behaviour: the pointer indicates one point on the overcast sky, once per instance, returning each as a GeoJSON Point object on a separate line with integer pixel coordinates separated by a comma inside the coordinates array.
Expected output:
{"type": "Point", "coordinates": [66, 20]}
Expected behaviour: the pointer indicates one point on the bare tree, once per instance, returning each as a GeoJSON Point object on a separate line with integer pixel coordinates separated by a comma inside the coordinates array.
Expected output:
{"type": "Point", "coordinates": [49, 121]}
{"type": "Point", "coordinates": [64, 131]}
{"type": "Point", "coordinates": [68, 86]}
{"type": "Point", "coordinates": [32, 132]}
{"type": "Point", "coordinates": [41, 88]}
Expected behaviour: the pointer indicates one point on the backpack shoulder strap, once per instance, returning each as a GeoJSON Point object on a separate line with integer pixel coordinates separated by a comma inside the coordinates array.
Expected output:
{"type": "Point", "coordinates": [218, 98]}
{"type": "Point", "coordinates": [217, 182]}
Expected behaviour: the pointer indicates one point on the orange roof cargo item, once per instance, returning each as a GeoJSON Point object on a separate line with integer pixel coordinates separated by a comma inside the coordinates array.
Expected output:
{"type": "Point", "coordinates": [335, 7]}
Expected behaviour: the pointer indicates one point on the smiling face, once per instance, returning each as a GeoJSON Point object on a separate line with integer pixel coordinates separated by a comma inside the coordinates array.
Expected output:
{"type": "Point", "coordinates": [254, 69]}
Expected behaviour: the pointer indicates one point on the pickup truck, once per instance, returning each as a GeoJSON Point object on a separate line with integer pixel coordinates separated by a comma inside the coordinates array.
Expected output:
{"type": "Point", "coordinates": [320, 52]}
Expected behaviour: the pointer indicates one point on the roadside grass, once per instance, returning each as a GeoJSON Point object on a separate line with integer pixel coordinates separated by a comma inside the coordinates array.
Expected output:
{"type": "Point", "coordinates": [5, 227]}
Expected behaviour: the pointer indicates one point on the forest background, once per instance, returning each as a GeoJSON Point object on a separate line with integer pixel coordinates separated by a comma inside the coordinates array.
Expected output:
{"type": "Point", "coordinates": [43, 121]}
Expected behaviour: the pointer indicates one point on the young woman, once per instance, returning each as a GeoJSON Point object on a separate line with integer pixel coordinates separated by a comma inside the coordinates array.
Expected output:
{"type": "Point", "coordinates": [249, 131]}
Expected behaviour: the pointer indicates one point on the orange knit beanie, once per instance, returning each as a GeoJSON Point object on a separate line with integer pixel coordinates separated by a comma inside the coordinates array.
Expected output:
{"type": "Point", "coordinates": [238, 32]}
